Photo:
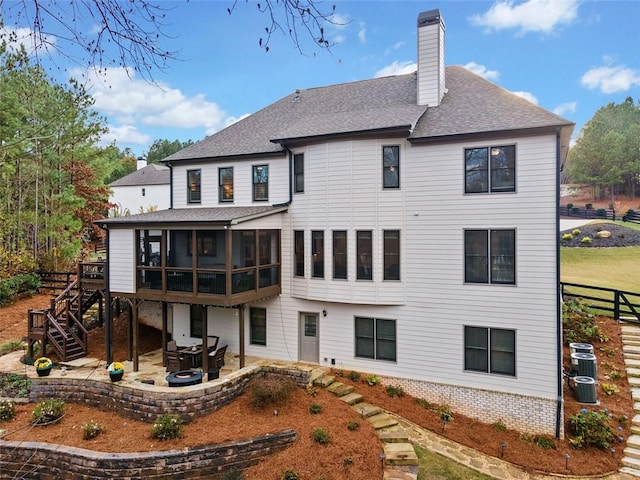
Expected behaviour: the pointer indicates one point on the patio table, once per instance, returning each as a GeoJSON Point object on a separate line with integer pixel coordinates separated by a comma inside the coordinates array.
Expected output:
{"type": "Point", "coordinates": [194, 353]}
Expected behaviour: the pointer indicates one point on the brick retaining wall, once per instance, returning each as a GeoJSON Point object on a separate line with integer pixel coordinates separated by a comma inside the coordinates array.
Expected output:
{"type": "Point", "coordinates": [44, 461]}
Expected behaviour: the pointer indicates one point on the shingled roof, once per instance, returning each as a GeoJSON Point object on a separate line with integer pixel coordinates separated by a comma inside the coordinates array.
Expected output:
{"type": "Point", "coordinates": [150, 175]}
{"type": "Point", "coordinates": [471, 105]}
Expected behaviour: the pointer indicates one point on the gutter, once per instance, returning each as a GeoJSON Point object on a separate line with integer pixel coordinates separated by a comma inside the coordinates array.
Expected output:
{"type": "Point", "coordinates": [288, 202]}
{"type": "Point", "coordinates": [107, 318]}
{"type": "Point", "coordinates": [558, 299]}
{"type": "Point", "coordinates": [170, 184]}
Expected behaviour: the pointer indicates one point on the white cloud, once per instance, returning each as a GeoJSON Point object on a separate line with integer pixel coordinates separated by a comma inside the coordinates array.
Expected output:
{"type": "Point", "coordinates": [397, 68]}
{"type": "Point", "coordinates": [483, 71]}
{"type": "Point", "coordinates": [125, 134]}
{"type": "Point", "coordinates": [529, 16]}
{"type": "Point", "coordinates": [231, 120]}
{"type": "Point", "coordinates": [396, 46]}
{"type": "Point", "coordinates": [339, 21]}
{"type": "Point", "coordinates": [611, 79]}
{"type": "Point", "coordinates": [565, 108]}
{"type": "Point", "coordinates": [362, 33]}
{"type": "Point", "coordinates": [25, 36]}
{"type": "Point", "coordinates": [338, 39]}
{"type": "Point", "coordinates": [527, 96]}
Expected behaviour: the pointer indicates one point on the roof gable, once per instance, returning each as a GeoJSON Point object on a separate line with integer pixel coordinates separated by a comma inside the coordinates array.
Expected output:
{"type": "Point", "coordinates": [150, 175]}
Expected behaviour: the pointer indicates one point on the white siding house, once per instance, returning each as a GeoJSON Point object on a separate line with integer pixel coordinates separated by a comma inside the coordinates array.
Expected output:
{"type": "Point", "coordinates": [404, 225]}
{"type": "Point", "coordinates": [146, 189]}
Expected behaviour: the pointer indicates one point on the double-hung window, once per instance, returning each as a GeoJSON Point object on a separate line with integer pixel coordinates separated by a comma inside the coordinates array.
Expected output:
{"type": "Point", "coordinates": [317, 252]}
{"type": "Point", "coordinates": [364, 257]}
{"type": "Point", "coordinates": [391, 166]}
{"type": "Point", "coordinates": [490, 169]}
{"type": "Point", "coordinates": [490, 350]}
{"type": "Point", "coordinates": [261, 183]}
{"type": "Point", "coordinates": [391, 254]}
{"type": "Point", "coordinates": [258, 326]}
{"type": "Point", "coordinates": [193, 186]}
{"type": "Point", "coordinates": [490, 256]}
{"type": "Point", "coordinates": [340, 254]}
{"type": "Point", "coordinates": [298, 249]}
{"type": "Point", "coordinates": [225, 184]}
{"type": "Point", "coordinates": [375, 338]}
{"type": "Point", "coordinates": [298, 173]}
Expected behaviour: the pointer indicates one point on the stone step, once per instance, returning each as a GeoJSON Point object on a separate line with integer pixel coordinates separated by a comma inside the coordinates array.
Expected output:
{"type": "Point", "coordinates": [633, 441]}
{"type": "Point", "coordinates": [631, 340]}
{"type": "Point", "coordinates": [315, 374]}
{"type": "Point", "coordinates": [382, 420]}
{"type": "Point", "coordinates": [630, 318]}
{"type": "Point", "coordinates": [324, 380]}
{"type": "Point", "coordinates": [401, 473]}
{"type": "Point", "coordinates": [367, 410]}
{"type": "Point", "coordinates": [632, 362]}
{"type": "Point", "coordinates": [628, 328]}
{"type": "Point", "coordinates": [339, 389]}
{"type": "Point", "coordinates": [634, 472]}
{"type": "Point", "coordinates": [635, 429]}
{"type": "Point", "coordinates": [395, 434]}
{"type": "Point", "coordinates": [633, 453]}
{"type": "Point", "coordinates": [400, 454]}
{"type": "Point", "coordinates": [633, 349]}
{"type": "Point", "coordinates": [631, 356]}
{"type": "Point", "coordinates": [632, 371]}
{"type": "Point", "coordinates": [352, 398]}
{"type": "Point", "coordinates": [633, 381]}
{"type": "Point", "coordinates": [631, 462]}
{"type": "Point", "coordinates": [635, 394]}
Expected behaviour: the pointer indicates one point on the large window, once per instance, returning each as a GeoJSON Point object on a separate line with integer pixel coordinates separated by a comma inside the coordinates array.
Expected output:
{"type": "Point", "coordinates": [490, 256]}
{"type": "Point", "coordinates": [225, 184]}
{"type": "Point", "coordinates": [364, 249]}
{"type": "Point", "coordinates": [340, 254]}
{"type": "Point", "coordinates": [298, 247]}
{"type": "Point", "coordinates": [392, 254]}
{"type": "Point", "coordinates": [490, 169]}
{"type": "Point", "coordinates": [375, 338]}
{"type": "Point", "coordinates": [193, 186]}
{"type": "Point", "coordinates": [491, 350]}
{"type": "Point", "coordinates": [317, 252]}
{"type": "Point", "coordinates": [261, 183]}
{"type": "Point", "coordinates": [258, 326]}
{"type": "Point", "coordinates": [391, 167]}
{"type": "Point", "coordinates": [298, 173]}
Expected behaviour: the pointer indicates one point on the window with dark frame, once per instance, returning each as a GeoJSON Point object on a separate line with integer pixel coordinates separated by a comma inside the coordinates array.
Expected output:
{"type": "Point", "coordinates": [375, 338]}
{"type": "Point", "coordinates": [364, 255]}
{"type": "Point", "coordinates": [490, 256]}
{"type": "Point", "coordinates": [298, 248]}
{"type": "Point", "coordinates": [490, 169]}
{"type": "Point", "coordinates": [490, 350]}
{"type": "Point", "coordinates": [391, 248]}
{"type": "Point", "coordinates": [193, 186]}
{"type": "Point", "coordinates": [298, 173]}
{"type": "Point", "coordinates": [340, 254]}
{"type": "Point", "coordinates": [260, 183]}
{"type": "Point", "coordinates": [391, 166]}
{"type": "Point", "coordinates": [144, 192]}
{"type": "Point", "coordinates": [198, 315]}
{"type": "Point", "coordinates": [258, 326]}
{"type": "Point", "coordinates": [317, 252]}
{"type": "Point", "coordinates": [225, 184]}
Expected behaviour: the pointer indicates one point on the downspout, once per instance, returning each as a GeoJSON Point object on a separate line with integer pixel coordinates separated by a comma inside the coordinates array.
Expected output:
{"type": "Point", "coordinates": [170, 185]}
{"type": "Point", "coordinates": [108, 351]}
{"type": "Point", "coordinates": [558, 299]}
{"type": "Point", "coordinates": [288, 202]}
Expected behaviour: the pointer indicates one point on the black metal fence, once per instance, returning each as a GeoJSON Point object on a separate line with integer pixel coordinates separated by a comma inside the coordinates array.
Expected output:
{"type": "Point", "coordinates": [618, 304]}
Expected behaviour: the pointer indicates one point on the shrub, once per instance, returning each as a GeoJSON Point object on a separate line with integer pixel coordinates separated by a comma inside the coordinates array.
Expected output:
{"type": "Point", "coordinates": [14, 385]}
{"type": "Point", "coordinates": [608, 351]}
{"type": "Point", "coordinates": [7, 410]}
{"type": "Point", "coordinates": [569, 206]}
{"type": "Point", "coordinates": [10, 346]}
{"type": "Point", "coordinates": [585, 240]}
{"type": "Point", "coordinates": [315, 408]}
{"type": "Point", "coordinates": [47, 411]}
{"type": "Point", "coordinates": [23, 284]}
{"type": "Point", "coordinates": [320, 436]}
{"type": "Point", "coordinates": [591, 429]}
{"type": "Point", "coordinates": [445, 413]}
{"type": "Point", "coordinates": [167, 426]}
{"type": "Point", "coordinates": [500, 426]}
{"type": "Point", "coordinates": [609, 388]}
{"type": "Point", "coordinates": [354, 376]}
{"type": "Point", "coordinates": [424, 403]}
{"type": "Point", "coordinates": [352, 426]}
{"type": "Point", "coordinates": [347, 462]}
{"type": "Point", "coordinates": [290, 475]}
{"type": "Point", "coordinates": [395, 391]}
{"type": "Point", "coordinates": [576, 232]}
{"type": "Point", "coordinates": [589, 206]}
{"type": "Point", "coordinates": [567, 237]}
{"type": "Point", "coordinates": [545, 442]}
{"type": "Point", "coordinates": [270, 390]}
{"type": "Point", "coordinates": [373, 380]}
{"type": "Point", "coordinates": [579, 324]}
{"type": "Point", "coordinates": [91, 429]}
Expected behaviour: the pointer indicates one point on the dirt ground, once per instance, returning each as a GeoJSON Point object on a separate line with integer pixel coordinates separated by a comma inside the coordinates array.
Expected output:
{"type": "Point", "coordinates": [306, 457]}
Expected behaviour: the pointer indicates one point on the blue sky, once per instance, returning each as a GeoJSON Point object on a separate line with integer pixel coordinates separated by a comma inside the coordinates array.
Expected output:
{"type": "Point", "coordinates": [567, 56]}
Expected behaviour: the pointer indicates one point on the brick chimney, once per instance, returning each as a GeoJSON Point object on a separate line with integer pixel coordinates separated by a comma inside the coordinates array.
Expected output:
{"type": "Point", "coordinates": [431, 87]}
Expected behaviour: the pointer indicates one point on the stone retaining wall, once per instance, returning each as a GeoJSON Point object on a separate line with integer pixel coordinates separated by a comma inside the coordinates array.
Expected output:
{"type": "Point", "coordinates": [43, 461]}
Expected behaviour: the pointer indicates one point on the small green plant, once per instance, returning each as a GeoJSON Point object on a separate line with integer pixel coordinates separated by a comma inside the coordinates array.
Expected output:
{"type": "Point", "coordinates": [91, 429]}
{"type": "Point", "coordinates": [320, 436]}
{"type": "Point", "coordinates": [352, 426]}
{"type": "Point", "coordinates": [585, 240]}
{"type": "Point", "coordinates": [591, 428]}
{"type": "Point", "coordinates": [395, 391]}
{"type": "Point", "coordinates": [290, 475]}
{"type": "Point", "coordinates": [7, 410]}
{"type": "Point", "coordinates": [424, 403]}
{"type": "Point", "coordinates": [576, 232]}
{"type": "Point", "coordinates": [14, 385]}
{"type": "Point", "coordinates": [354, 376]}
{"type": "Point", "coordinates": [608, 351]}
{"type": "Point", "coordinates": [500, 426]}
{"type": "Point", "coordinates": [579, 323]}
{"type": "Point", "coordinates": [569, 206]}
{"type": "Point", "coordinates": [610, 389]}
{"type": "Point", "coordinates": [567, 237]}
{"type": "Point", "coordinates": [373, 380]}
{"type": "Point", "coordinates": [527, 438]}
{"type": "Point", "coordinates": [47, 411]}
{"type": "Point", "coordinates": [233, 474]}
{"type": "Point", "coordinates": [315, 408]}
{"type": "Point", "coordinates": [10, 346]}
{"type": "Point", "coordinates": [445, 413]}
{"type": "Point", "coordinates": [614, 374]}
{"type": "Point", "coordinates": [167, 426]}
{"type": "Point", "coordinates": [347, 462]}
{"type": "Point", "coordinates": [545, 443]}
{"type": "Point", "coordinates": [270, 390]}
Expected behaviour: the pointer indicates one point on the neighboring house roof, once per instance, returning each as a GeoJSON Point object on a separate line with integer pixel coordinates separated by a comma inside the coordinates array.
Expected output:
{"type": "Point", "coordinates": [214, 215]}
{"type": "Point", "coordinates": [471, 105]}
{"type": "Point", "coordinates": [150, 175]}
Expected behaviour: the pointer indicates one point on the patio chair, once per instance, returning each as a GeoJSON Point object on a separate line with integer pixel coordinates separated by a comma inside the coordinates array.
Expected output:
{"type": "Point", "coordinates": [212, 344]}
{"type": "Point", "coordinates": [172, 346]}
{"type": "Point", "coordinates": [216, 361]}
{"type": "Point", "coordinates": [176, 362]}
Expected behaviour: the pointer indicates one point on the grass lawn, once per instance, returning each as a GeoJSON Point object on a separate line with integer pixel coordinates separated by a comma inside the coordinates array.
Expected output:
{"type": "Point", "coordinates": [436, 467]}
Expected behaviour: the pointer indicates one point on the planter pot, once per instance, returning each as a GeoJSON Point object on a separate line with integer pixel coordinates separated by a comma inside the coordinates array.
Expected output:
{"type": "Point", "coordinates": [116, 375]}
{"type": "Point", "coordinates": [43, 372]}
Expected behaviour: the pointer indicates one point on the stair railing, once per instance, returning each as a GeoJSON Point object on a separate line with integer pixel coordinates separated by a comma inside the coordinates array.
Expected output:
{"type": "Point", "coordinates": [59, 344]}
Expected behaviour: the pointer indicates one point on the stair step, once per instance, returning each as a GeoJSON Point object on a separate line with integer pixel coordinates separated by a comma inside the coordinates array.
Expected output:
{"type": "Point", "coordinates": [628, 329]}
{"type": "Point", "coordinates": [352, 398]}
{"type": "Point", "coordinates": [633, 453]}
{"type": "Point", "coordinates": [631, 349]}
{"type": "Point", "coordinates": [631, 356]}
{"type": "Point", "coordinates": [634, 472]}
{"type": "Point", "coordinates": [315, 374]}
{"type": "Point", "coordinates": [395, 434]}
{"type": "Point", "coordinates": [631, 462]}
{"type": "Point", "coordinates": [400, 454]}
{"type": "Point", "coordinates": [382, 420]}
{"type": "Point", "coordinates": [633, 371]}
{"type": "Point", "coordinates": [367, 410]}
{"type": "Point", "coordinates": [340, 389]}
{"type": "Point", "coordinates": [633, 441]}
{"type": "Point", "coordinates": [324, 380]}
{"type": "Point", "coordinates": [635, 429]}
{"type": "Point", "coordinates": [634, 381]}
{"type": "Point", "coordinates": [632, 362]}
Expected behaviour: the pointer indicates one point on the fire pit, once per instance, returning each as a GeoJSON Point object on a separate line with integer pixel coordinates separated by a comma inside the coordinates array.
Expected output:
{"type": "Point", "coordinates": [184, 378]}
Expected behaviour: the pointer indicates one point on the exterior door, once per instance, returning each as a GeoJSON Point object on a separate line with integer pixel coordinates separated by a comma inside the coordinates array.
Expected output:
{"type": "Point", "coordinates": [309, 345]}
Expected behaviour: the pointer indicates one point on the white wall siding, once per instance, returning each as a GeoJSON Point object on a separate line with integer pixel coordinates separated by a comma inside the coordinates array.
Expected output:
{"type": "Point", "coordinates": [122, 260]}
{"type": "Point", "coordinates": [131, 198]}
